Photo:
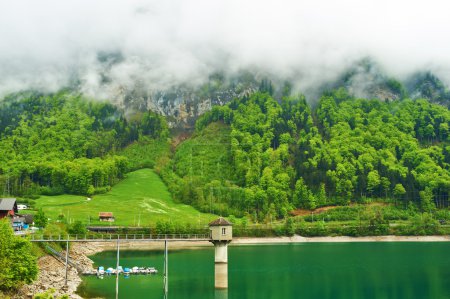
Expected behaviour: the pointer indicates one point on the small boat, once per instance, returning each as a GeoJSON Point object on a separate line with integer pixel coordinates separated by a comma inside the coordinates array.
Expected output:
{"type": "Point", "coordinates": [110, 271]}
{"type": "Point", "coordinates": [101, 270]}
{"type": "Point", "coordinates": [135, 269]}
{"type": "Point", "coordinates": [126, 271]}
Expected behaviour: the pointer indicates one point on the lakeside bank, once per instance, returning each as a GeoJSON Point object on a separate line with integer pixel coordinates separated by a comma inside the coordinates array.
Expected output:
{"type": "Point", "coordinates": [52, 272]}
{"type": "Point", "coordinates": [102, 246]}
{"type": "Point", "coordinates": [300, 239]}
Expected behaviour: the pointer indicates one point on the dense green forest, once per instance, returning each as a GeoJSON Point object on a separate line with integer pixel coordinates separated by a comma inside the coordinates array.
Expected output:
{"type": "Point", "coordinates": [265, 157]}
{"type": "Point", "coordinates": [64, 143]}
{"type": "Point", "coordinates": [256, 155]}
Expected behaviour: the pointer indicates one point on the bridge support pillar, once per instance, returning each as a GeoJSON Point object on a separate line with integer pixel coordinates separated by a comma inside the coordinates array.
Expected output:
{"type": "Point", "coordinates": [67, 258]}
{"type": "Point", "coordinates": [221, 264]}
{"type": "Point", "coordinates": [166, 268]}
{"type": "Point", "coordinates": [117, 267]}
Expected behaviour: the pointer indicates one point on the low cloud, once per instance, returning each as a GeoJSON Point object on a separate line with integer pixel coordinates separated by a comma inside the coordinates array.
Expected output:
{"type": "Point", "coordinates": [104, 45]}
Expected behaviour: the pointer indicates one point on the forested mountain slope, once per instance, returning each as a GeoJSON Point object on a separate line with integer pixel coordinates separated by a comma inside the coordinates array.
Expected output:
{"type": "Point", "coordinates": [254, 155]}
{"type": "Point", "coordinates": [64, 143]}
{"type": "Point", "coordinates": [284, 156]}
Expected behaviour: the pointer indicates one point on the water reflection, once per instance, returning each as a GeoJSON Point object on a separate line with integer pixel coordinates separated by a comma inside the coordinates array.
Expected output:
{"type": "Point", "coordinates": [309, 271]}
{"type": "Point", "coordinates": [221, 275]}
{"type": "Point", "coordinates": [218, 294]}
{"type": "Point", "coordinates": [221, 294]}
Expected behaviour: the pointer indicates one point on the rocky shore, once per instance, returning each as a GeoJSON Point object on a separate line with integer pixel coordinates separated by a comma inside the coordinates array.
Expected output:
{"type": "Point", "coordinates": [52, 273]}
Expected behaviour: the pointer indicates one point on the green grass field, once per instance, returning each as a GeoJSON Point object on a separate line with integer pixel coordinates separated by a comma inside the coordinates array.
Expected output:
{"type": "Point", "coordinates": [140, 199]}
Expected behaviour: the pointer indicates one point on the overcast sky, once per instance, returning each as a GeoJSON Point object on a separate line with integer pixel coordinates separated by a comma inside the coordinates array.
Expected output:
{"type": "Point", "coordinates": [45, 43]}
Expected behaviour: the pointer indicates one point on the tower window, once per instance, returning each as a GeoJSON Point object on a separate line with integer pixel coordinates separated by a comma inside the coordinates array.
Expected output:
{"type": "Point", "coordinates": [224, 231]}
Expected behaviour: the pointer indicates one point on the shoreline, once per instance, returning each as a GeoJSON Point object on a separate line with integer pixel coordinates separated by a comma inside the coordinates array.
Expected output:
{"type": "Point", "coordinates": [177, 245]}
{"type": "Point", "coordinates": [339, 239]}
{"type": "Point", "coordinates": [51, 271]}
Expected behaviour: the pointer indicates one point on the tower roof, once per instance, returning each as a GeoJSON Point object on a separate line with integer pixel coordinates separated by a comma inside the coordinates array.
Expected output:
{"type": "Point", "coordinates": [220, 222]}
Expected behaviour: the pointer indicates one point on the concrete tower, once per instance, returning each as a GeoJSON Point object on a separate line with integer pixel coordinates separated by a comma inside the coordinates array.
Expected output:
{"type": "Point", "coordinates": [221, 233]}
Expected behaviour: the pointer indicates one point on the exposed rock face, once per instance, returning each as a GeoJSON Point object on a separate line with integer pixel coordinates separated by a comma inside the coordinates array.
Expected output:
{"type": "Point", "coordinates": [183, 105]}
{"type": "Point", "coordinates": [52, 273]}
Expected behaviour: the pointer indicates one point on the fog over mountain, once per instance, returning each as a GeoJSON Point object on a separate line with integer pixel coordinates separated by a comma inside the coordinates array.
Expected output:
{"type": "Point", "coordinates": [102, 46]}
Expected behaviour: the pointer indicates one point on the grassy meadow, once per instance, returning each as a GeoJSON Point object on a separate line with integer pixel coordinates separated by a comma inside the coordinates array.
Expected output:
{"type": "Point", "coordinates": [140, 199]}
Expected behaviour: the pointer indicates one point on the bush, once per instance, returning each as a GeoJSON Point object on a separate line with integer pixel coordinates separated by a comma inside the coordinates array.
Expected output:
{"type": "Point", "coordinates": [50, 191]}
{"type": "Point", "coordinates": [289, 227]}
{"type": "Point", "coordinates": [49, 295]}
{"type": "Point", "coordinates": [393, 213]}
{"type": "Point", "coordinates": [18, 265]}
{"type": "Point", "coordinates": [442, 215]}
{"type": "Point", "coordinates": [77, 228]}
{"type": "Point", "coordinates": [40, 220]}
{"type": "Point", "coordinates": [318, 229]}
{"type": "Point", "coordinates": [102, 190]}
{"type": "Point", "coordinates": [425, 225]}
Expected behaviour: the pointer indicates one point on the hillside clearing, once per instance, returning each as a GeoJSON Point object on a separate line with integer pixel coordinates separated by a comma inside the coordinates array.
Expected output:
{"type": "Point", "coordinates": [140, 199]}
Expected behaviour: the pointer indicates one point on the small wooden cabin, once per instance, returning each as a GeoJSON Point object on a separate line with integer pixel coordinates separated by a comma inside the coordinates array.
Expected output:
{"type": "Point", "coordinates": [8, 207]}
{"type": "Point", "coordinates": [106, 216]}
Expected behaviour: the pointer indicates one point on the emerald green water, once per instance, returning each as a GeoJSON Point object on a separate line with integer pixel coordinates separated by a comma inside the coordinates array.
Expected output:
{"type": "Point", "coordinates": [311, 270]}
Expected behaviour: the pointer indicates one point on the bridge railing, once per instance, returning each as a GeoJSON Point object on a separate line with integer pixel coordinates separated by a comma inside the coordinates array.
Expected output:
{"type": "Point", "coordinates": [114, 237]}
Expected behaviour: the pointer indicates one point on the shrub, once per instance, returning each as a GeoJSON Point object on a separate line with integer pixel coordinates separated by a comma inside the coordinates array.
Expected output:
{"type": "Point", "coordinates": [77, 228]}
{"type": "Point", "coordinates": [18, 265]}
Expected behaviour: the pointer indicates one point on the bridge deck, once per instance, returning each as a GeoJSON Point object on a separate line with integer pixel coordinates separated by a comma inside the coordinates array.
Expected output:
{"type": "Point", "coordinates": [119, 237]}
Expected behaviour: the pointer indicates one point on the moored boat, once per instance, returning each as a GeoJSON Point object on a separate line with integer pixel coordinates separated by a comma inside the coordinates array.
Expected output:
{"type": "Point", "coordinates": [100, 271]}
{"type": "Point", "coordinates": [110, 271]}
